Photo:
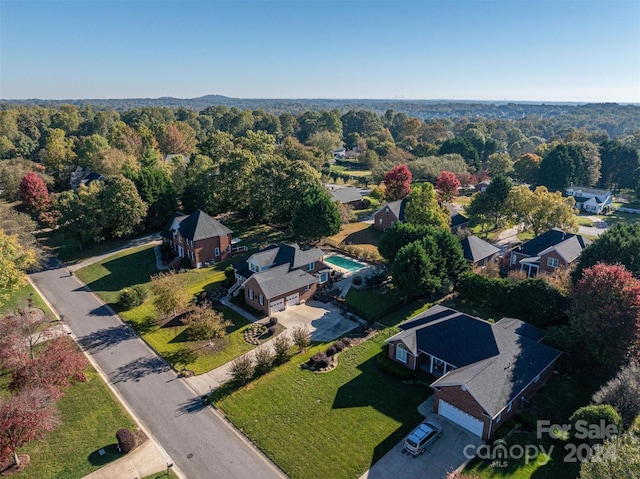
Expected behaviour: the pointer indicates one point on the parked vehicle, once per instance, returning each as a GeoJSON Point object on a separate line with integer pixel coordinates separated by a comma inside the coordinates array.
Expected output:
{"type": "Point", "coordinates": [422, 437]}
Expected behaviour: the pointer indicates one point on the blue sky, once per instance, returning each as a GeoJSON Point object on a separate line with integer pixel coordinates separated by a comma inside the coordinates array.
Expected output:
{"type": "Point", "coordinates": [485, 50]}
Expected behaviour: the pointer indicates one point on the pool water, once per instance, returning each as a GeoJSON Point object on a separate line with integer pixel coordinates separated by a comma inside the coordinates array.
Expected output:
{"type": "Point", "coordinates": [344, 263]}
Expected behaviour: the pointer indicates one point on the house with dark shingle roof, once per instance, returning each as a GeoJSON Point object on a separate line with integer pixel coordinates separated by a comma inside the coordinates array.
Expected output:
{"type": "Point", "coordinates": [198, 237]}
{"type": "Point", "coordinates": [477, 251]}
{"type": "Point", "coordinates": [393, 212]}
{"type": "Point", "coordinates": [547, 252]}
{"type": "Point", "coordinates": [280, 276]}
{"type": "Point", "coordinates": [486, 372]}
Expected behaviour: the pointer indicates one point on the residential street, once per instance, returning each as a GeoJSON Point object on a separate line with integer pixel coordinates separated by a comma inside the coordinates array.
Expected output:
{"type": "Point", "coordinates": [199, 440]}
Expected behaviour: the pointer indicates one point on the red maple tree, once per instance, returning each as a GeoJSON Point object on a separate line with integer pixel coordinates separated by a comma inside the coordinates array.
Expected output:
{"type": "Point", "coordinates": [34, 194]}
{"type": "Point", "coordinates": [397, 183]}
{"type": "Point", "coordinates": [25, 416]}
{"type": "Point", "coordinates": [447, 185]}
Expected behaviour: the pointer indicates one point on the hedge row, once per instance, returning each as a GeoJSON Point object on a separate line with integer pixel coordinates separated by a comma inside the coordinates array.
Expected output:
{"type": "Point", "coordinates": [531, 300]}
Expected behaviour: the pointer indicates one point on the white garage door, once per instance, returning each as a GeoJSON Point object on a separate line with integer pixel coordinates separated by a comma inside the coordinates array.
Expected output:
{"type": "Point", "coordinates": [293, 300]}
{"type": "Point", "coordinates": [461, 418]}
{"type": "Point", "coordinates": [277, 305]}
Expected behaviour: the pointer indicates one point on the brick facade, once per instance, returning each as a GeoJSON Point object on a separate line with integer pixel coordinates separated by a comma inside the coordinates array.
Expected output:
{"type": "Point", "coordinates": [384, 219]}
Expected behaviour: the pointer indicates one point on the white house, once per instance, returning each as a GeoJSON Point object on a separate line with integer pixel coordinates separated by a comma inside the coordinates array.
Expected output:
{"type": "Point", "coordinates": [592, 200]}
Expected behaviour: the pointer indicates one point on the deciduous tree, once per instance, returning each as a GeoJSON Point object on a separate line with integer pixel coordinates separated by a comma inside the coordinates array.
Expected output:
{"type": "Point", "coordinates": [316, 216]}
{"type": "Point", "coordinates": [423, 209]}
{"type": "Point", "coordinates": [34, 194]}
{"type": "Point", "coordinates": [170, 293]}
{"type": "Point", "coordinates": [541, 210]}
{"type": "Point", "coordinates": [617, 458]}
{"type": "Point", "coordinates": [605, 314]}
{"type": "Point", "coordinates": [25, 416]}
{"type": "Point", "coordinates": [14, 261]}
{"type": "Point", "coordinates": [623, 393]}
{"type": "Point", "coordinates": [527, 167]}
{"type": "Point", "coordinates": [397, 183]}
{"type": "Point", "coordinates": [499, 164]}
{"type": "Point", "coordinates": [447, 186]}
{"type": "Point", "coordinates": [205, 324]}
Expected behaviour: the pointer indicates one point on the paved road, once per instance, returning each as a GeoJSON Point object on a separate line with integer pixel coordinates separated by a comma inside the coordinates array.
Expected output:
{"type": "Point", "coordinates": [199, 441]}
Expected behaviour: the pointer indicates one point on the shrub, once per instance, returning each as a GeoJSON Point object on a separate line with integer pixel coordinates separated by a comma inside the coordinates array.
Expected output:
{"type": "Point", "coordinates": [132, 297]}
{"type": "Point", "coordinates": [281, 346]}
{"type": "Point", "coordinates": [347, 341]}
{"type": "Point", "coordinates": [263, 357]}
{"type": "Point", "coordinates": [392, 368]}
{"type": "Point", "coordinates": [242, 369]}
{"type": "Point", "coordinates": [528, 420]}
{"type": "Point", "coordinates": [319, 361]}
{"type": "Point", "coordinates": [592, 415]}
{"type": "Point", "coordinates": [126, 440]}
{"type": "Point", "coordinates": [273, 321]}
{"type": "Point", "coordinates": [271, 331]}
{"type": "Point", "coordinates": [301, 337]}
{"type": "Point", "coordinates": [623, 393]}
{"type": "Point", "coordinates": [357, 280]}
{"type": "Point", "coordinates": [331, 350]}
{"type": "Point", "coordinates": [339, 345]}
{"type": "Point", "coordinates": [230, 276]}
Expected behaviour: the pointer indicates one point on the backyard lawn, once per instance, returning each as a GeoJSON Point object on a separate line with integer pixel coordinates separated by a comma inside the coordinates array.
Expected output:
{"type": "Point", "coordinates": [374, 304]}
{"type": "Point", "coordinates": [90, 416]}
{"type": "Point", "coordinates": [108, 277]}
{"type": "Point", "coordinates": [360, 235]}
{"type": "Point", "coordinates": [331, 425]}
{"type": "Point", "coordinates": [350, 171]}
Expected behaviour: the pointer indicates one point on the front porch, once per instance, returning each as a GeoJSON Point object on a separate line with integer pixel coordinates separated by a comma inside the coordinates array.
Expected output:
{"type": "Point", "coordinates": [433, 365]}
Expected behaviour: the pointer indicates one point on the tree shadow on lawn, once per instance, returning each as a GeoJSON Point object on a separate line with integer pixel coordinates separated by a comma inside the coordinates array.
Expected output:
{"type": "Point", "coordinates": [139, 368]}
{"type": "Point", "coordinates": [135, 268]}
{"type": "Point", "coordinates": [105, 338]}
{"type": "Point", "coordinates": [368, 236]}
{"type": "Point", "coordinates": [389, 396]}
{"type": "Point", "coordinates": [110, 454]}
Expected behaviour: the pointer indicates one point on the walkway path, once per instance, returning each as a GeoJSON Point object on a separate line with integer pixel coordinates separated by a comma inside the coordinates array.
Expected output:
{"type": "Point", "coordinates": [199, 440]}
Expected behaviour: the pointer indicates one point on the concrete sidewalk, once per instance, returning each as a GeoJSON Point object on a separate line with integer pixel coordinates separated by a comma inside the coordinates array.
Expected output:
{"type": "Point", "coordinates": [142, 462]}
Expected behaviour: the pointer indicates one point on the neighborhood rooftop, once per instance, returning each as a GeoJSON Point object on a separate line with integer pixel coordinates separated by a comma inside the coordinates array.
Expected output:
{"type": "Point", "coordinates": [197, 226]}
{"type": "Point", "coordinates": [475, 249]}
{"type": "Point", "coordinates": [573, 244]}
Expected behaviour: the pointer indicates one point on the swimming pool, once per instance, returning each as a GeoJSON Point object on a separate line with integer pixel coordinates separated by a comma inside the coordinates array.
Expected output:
{"type": "Point", "coordinates": [344, 263]}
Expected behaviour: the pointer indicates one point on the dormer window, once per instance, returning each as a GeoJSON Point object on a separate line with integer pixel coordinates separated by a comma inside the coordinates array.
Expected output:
{"type": "Point", "coordinates": [253, 267]}
{"type": "Point", "coordinates": [310, 266]}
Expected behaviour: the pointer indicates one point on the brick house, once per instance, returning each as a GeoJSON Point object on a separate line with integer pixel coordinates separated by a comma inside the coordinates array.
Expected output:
{"type": "Point", "coordinates": [547, 252]}
{"type": "Point", "coordinates": [197, 237]}
{"type": "Point", "coordinates": [280, 276]}
{"type": "Point", "coordinates": [486, 372]}
{"type": "Point", "coordinates": [393, 212]}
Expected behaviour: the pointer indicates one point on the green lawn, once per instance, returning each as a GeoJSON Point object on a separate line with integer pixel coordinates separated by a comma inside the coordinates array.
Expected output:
{"type": "Point", "coordinates": [108, 277]}
{"type": "Point", "coordinates": [361, 235]}
{"type": "Point", "coordinates": [91, 416]}
{"type": "Point", "coordinates": [331, 425]}
{"type": "Point", "coordinates": [67, 249]}
{"type": "Point", "coordinates": [21, 296]}
{"type": "Point", "coordinates": [162, 475]}
{"type": "Point", "coordinates": [374, 304]}
{"type": "Point", "coordinates": [619, 217]}
{"type": "Point", "coordinates": [583, 221]}
{"type": "Point", "coordinates": [350, 171]}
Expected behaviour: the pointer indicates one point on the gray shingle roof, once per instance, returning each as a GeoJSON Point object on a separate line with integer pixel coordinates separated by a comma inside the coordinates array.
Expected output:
{"type": "Point", "coordinates": [278, 255]}
{"type": "Point", "coordinates": [476, 249]}
{"type": "Point", "coordinates": [197, 226]}
{"type": "Point", "coordinates": [396, 207]}
{"type": "Point", "coordinates": [553, 237]}
{"type": "Point", "coordinates": [279, 280]}
{"type": "Point", "coordinates": [494, 364]}
{"type": "Point", "coordinates": [569, 249]}
{"type": "Point", "coordinates": [588, 190]}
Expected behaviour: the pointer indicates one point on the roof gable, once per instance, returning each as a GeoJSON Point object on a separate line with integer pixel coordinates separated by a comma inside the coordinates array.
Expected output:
{"type": "Point", "coordinates": [543, 242]}
{"type": "Point", "coordinates": [475, 249]}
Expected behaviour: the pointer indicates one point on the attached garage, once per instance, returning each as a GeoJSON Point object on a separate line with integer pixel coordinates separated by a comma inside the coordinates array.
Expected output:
{"type": "Point", "coordinates": [292, 300]}
{"type": "Point", "coordinates": [277, 305]}
{"type": "Point", "coordinates": [470, 423]}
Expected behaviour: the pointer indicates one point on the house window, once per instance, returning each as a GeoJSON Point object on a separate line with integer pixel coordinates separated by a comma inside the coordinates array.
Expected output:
{"type": "Point", "coordinates": [514, 258]}
{"type": "Point", "coordinates": [253, 267]}
{"type": "Point", "coordinates": [379, 221]}
{"type": "Point", "coordinates": [216, 251]}
{"type": "Point", "coordinates": [261, 299]}
{"type": "Point", "coordinates": [310, 266]}
{"type": "Point", "coordinates": [509, 406]}
{"type": "Point", "coordinates": [498, 418]}
{"type": "Point", "coordinates": [386, 212]}
{"type": "Point", "coordinates": [324, 277]}
{"type": "Point", "coordinates": [306, 288]}
{"type": "Point", "coordinates": [401, 354]}
{"type": "Point", "coordinates": [553, 262]}
{"type": "Point", "coordinates": [250, 294]}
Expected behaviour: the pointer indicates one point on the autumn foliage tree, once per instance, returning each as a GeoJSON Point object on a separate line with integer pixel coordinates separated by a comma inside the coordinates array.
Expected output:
{"type": "Point", "coordinates": [397, 183]}
{"type": "Point", "coordinates": [25, 416]}
{"type": "Point", "coordinates": [447, 185]}
{"type": "Point", "coordinates": [34, 194]}
{"type": "Point", "coordinates": [205, 323]}
{"type": "Point", "coordinates": [170, 293]}
{"type": "Point", "coordinates": [605, 314]}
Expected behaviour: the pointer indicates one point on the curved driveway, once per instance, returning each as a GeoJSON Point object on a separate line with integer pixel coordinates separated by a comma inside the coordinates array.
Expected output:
{"type": "Point", "coordinates": [201, 442]}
